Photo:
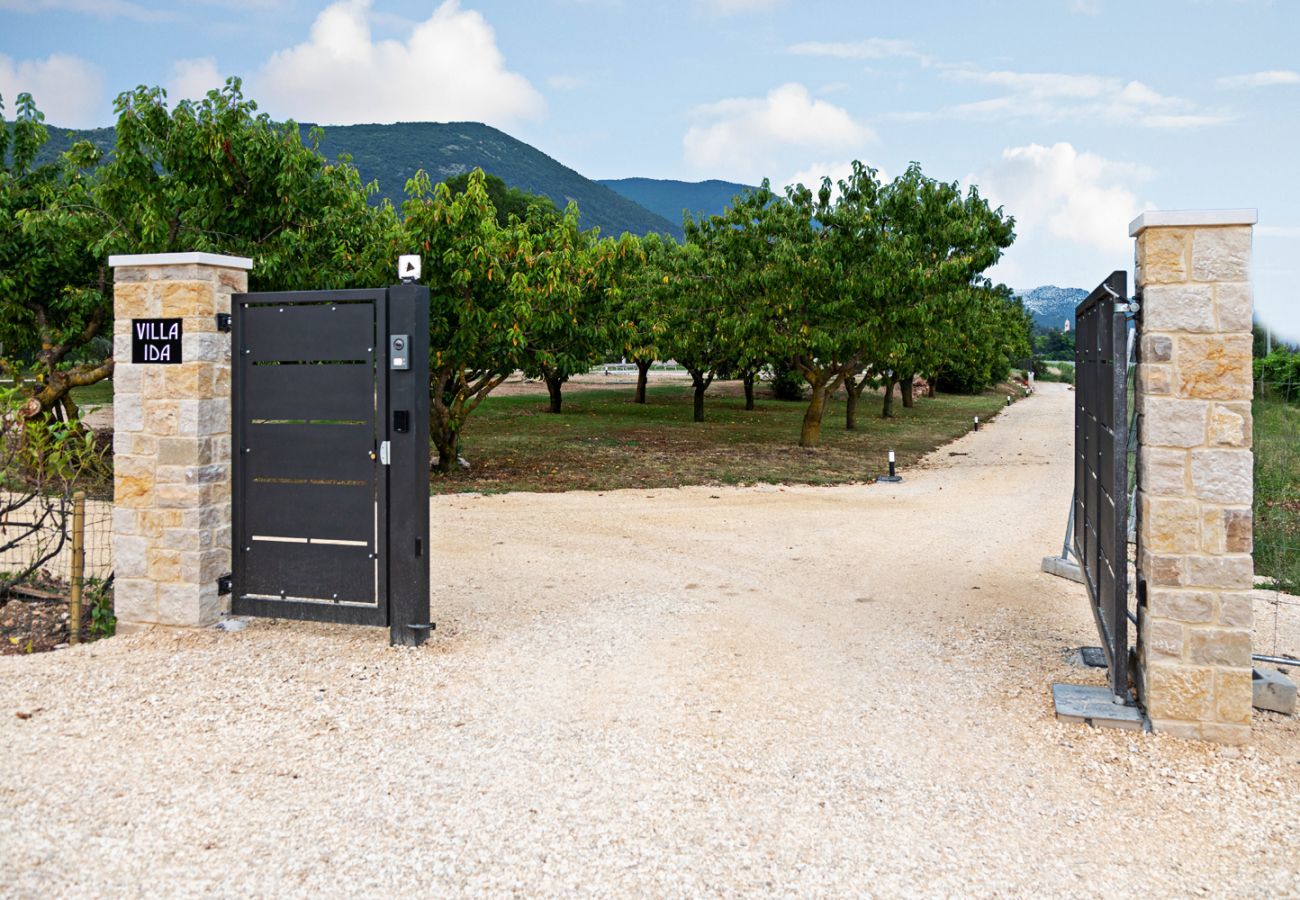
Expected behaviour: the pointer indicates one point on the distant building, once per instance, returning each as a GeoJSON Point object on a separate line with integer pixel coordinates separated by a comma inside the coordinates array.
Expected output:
{"type": "Point", "coordinates": [1067, 325]}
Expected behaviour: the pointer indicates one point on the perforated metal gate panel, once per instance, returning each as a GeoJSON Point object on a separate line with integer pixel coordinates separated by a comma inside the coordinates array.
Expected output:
{"type": "Point", "coordinates": [309, 492]}
{"type": "Point", "coordinates": [1101, 466]}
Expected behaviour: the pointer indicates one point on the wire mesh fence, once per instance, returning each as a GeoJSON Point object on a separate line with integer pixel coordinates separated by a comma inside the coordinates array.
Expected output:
{"type": "Point", "coordinates": [55, 554]}
{"type": "Point", "coordinates": [1276, 442]}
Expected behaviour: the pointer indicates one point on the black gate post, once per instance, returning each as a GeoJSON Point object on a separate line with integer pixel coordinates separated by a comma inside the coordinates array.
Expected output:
{"type": "Point", "coordinates": [407, 430]}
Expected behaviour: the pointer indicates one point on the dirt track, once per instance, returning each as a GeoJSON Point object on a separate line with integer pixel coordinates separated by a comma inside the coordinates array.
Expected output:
{"type": "Point", "coordinates": [800, 690]}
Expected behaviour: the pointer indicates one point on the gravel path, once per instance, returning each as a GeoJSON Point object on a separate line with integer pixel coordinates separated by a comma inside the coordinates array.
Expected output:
{"type": "Point", "coordinates": [700, 691]}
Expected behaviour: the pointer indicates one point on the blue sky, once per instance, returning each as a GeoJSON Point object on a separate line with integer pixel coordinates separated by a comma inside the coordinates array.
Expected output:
{"type": "Point", "coordinates": [1074, 114]}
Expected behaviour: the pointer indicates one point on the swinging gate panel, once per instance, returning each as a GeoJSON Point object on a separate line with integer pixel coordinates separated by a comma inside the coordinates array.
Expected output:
{"type": "Point", "coordinates": [1101, 466]}
{"type": "Point", "coordinates": [309, 498]}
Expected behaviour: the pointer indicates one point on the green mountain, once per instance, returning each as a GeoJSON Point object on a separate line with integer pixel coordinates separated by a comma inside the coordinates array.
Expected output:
{"type": "Point", "coordinates": [391, 154]}
{"type": "Point", "coordinates": [63, 138]}
{"type": "Point", "coordinates": [670, 199]}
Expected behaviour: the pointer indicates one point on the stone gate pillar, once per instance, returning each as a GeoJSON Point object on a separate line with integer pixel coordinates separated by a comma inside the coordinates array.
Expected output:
{"type": "Point", "coordinates": [1195, 569]}
{"type": "Point", "coordinates": [171, 435]}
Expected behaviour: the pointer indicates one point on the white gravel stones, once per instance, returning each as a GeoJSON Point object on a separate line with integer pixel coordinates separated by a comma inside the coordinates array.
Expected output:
{"type": "Point", "coordinates": [801, 691]}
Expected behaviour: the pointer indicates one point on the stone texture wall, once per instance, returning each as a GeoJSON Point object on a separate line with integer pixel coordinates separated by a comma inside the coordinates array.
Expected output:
{"type": "Point", "coordinates": [1195, 477]}
{"type": "Point", "coordinates": [171, 444]}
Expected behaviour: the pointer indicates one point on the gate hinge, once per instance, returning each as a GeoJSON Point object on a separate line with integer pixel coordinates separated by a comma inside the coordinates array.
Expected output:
{"type": "Point", "coordinates": [1129, 308]}
{"type": "Point", "coordinates": [225, 585]}
{"type": "Point", "coordinates": [223, 321]}
{"type": "Point", "coordinates": [385, 453]}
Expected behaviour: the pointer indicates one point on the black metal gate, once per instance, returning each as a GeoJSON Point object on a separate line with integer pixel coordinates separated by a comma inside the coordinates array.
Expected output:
{"type": "Point", "coordinates": [330, 457]}
{"type": "Point", "coordinates": [1101, 466]}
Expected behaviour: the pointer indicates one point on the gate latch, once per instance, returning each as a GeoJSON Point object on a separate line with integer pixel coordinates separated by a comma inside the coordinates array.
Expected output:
{"type": "Point", "coordinates": [385, 453]}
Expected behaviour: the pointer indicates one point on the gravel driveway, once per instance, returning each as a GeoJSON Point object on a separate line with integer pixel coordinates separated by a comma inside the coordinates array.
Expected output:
{"type": "Point", "coordinates": [699, 691]}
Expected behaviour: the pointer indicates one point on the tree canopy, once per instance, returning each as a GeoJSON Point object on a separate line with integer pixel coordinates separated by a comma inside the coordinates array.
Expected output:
{"type": "Point", "coordinates": [847, 284]}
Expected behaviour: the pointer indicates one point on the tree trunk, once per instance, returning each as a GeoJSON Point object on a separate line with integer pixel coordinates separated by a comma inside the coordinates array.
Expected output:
{"type": "Point", "coordinates": [851, 404]}
{"type": "Point", "coordinates": [749, 390]}
{"type": "Point", "coordinates": [853, 387]}
{"type": "Point", "coordinates": [446, 440]}
{"type": "Point", "coordinates": [642, 369]}
{"type": "Point", "coordinates": [54, 399]}
{"type": "Point", "coordinates": [443, 432]}
{"type": "Point", "coordinates": [908, 386]}
{"type": "Point", "coordinates": [697, 379]}
{"type": "Point", "coordinates": [554, 383]}
{"type": "Point", "coordinates": [888, 411]}
{"type": "Point", "coordinates": [929, 386]}
{"type": "Point", "coordinates": [811, 432]}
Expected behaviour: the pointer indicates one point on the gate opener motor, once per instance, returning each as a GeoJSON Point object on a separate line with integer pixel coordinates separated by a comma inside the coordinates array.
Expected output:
{"type": "Point", "coordinates": [399, 351]}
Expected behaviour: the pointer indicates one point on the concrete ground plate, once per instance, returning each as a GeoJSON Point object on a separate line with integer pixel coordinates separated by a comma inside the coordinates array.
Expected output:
{"type": "Point", "coordinates": [1056, 565]}
{"type": "Point", "coordinates": [1273, 691]}
{"type": "Point", "coordinates": [1095, 706]}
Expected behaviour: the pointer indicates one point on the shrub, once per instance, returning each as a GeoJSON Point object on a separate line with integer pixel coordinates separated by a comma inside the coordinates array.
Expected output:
{"type": "Point", "coordinates": [787, 383]}
{"type": "Point", "coordinates": [42, 461]}
{"type": "Point", "coordinates": [1278, 375]}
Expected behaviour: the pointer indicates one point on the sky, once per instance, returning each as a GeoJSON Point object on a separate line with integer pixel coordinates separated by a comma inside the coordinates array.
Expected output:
{"type": "Point", "coordinates": [1074, 115]}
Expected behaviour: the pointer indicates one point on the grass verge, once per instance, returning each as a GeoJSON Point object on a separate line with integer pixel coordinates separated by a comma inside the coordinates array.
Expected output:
{"type": "Point", "coordinates": [604, 441]}
{"type": "Point", "coordinates": [1277, 492]}
{"type": "Point", "coordinates": [93, 395]}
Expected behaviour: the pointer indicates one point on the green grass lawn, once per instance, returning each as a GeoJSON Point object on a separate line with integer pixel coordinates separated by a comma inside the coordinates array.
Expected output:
{"type": "Point", "coordinates": [98, 394]}
{"type": "Point", "coordinates": [604, 441]}
{"type": "Point", "coordinates": [1277, 492]}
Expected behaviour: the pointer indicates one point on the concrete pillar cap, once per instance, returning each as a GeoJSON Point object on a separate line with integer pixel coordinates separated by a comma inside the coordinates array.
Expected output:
{"type": "Point", "coordinates": [1191, 218]}
{"type": "Point", "coordinates": [180, 259]}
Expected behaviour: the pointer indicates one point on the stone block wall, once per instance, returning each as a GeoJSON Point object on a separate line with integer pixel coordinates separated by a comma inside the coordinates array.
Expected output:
{"type": "Point", "coordinates": [1195, 466]}
{"type": "Point", "coordinates": [171, 441]}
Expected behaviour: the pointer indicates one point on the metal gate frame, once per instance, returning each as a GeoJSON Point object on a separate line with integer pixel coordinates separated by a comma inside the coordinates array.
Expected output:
{"type": "Point", "coordinates": [1101, 427]}
{"type": "Point", "coordinates": [400, 456]}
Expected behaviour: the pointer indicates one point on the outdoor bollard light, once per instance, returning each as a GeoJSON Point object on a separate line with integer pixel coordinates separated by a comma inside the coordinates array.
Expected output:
{"type": "Point", "coordinates": [977, 423]}
{"type": "Point", "coordinates": [1008, 399]}
{"type": "Point", "coordinates": [892, 477]}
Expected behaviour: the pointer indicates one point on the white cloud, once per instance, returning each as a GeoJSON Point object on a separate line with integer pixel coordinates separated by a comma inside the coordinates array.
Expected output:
{"type": "Point", "coordinates": [811, 176]}
{"type": "Point", "coordinates": [1072, 196]}
{"type": "Point", "coordinates": [1260, 79]}
{"type": "Point", "coordinates": [101, 9]}
{"type": "Point", "coordinates": [562, 82]}
{"type": "Point", "coordinates": [871, 48]}
{"type": "Point", "coordinates": [1085, 7]}
{"type": "Point", "coordinates": [447, 68]}
{"type": "Point", "coordinates": [191, 79]}
{"type": "Point", "coordinates": [1051, 96]}
{"type": "Point", "coordinates": [748, 137]}
{"type": "Point", "coordinates": [69, 90]}
{"type": "Point", "coordinates": [734, 7]}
